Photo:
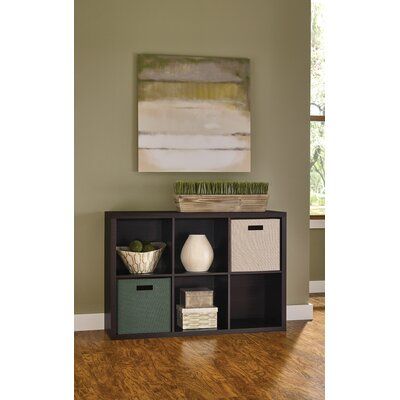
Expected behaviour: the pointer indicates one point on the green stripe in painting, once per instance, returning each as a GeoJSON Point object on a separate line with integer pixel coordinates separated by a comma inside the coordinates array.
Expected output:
{"type": "Point", "coordinates": [193, 91]}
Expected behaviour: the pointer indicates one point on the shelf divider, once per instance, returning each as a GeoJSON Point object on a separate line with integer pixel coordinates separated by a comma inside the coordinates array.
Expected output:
{"type": "Point", "coordinates": [143, 276]}
{"type": "Point", "coordinates": [194, 274]}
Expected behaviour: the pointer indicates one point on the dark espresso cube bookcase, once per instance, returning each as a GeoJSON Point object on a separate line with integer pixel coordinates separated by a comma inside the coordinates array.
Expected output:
{"type": "Point", "coordinates": [139, 306]}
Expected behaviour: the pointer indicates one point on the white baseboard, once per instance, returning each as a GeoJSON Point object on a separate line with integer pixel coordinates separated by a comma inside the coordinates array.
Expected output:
{"type": "Point", "coordinates": [95, 322]}
{"type": "Point", "coordinates": [317, 287]}
{"type": "Point", "coordinates": [317, 224]}
{"type": "Point", "coordinates": [299, 312]}
{"type": "Point", "coordinates": [89, 322]}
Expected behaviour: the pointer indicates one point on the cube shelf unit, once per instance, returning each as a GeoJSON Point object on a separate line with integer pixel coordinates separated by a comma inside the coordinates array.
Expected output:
{"type": "Point", "coordinates": [247, 301]}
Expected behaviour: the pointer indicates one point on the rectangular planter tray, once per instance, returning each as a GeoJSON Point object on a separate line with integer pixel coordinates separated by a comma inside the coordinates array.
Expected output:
{"type": "Point", "coordinates": [222, 203]}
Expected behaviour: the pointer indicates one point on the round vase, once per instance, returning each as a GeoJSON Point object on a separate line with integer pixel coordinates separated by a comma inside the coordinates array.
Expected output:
{"type": "Point", "coordinates": [197, 254]}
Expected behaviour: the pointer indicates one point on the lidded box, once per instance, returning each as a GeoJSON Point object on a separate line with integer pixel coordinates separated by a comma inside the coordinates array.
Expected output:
{"type": "Point", "coordinates": [196, 298]}
{"type": "Point", "coordinates": [197, 318]}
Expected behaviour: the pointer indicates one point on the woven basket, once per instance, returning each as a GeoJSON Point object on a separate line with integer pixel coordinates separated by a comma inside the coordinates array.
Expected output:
{"type": "Point", "coordinates": [222, 203]}
{"type": "Point", "coordinates": [141, 263]}
{"type": "Point", "coordinates": [255, 245]}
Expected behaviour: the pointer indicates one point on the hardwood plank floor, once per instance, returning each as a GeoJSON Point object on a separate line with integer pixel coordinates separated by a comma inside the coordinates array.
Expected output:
{"type": "Point", "coordinates": [272, 366]}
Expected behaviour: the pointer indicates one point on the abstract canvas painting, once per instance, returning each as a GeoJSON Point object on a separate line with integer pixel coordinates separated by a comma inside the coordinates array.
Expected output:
{"type": "Point", "coordinates": [193, 114]}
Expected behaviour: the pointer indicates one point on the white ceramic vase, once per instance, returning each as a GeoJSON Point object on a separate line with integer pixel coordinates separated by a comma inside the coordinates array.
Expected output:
{"type": "Point", "coordinates": [197, 254]}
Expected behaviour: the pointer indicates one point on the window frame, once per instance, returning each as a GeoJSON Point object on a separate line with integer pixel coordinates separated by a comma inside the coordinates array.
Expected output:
{"type": "Point", "coordinates": [317, 118]}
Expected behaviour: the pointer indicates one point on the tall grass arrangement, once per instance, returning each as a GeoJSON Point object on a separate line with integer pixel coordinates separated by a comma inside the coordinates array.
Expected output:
{"type": "Point", "coordinates": [219, 188]}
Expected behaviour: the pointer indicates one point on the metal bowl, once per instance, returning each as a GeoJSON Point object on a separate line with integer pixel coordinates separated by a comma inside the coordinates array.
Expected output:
{"type": "Point", "coordinates": [141, 263]}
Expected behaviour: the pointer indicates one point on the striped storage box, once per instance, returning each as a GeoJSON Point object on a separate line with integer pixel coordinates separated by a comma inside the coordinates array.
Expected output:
{"type": "Point", "coordinates": [197, 318]}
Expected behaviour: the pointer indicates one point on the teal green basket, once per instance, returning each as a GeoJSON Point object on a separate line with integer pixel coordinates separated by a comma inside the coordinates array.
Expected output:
{"type": "Point", "coordinates": [144, 305]}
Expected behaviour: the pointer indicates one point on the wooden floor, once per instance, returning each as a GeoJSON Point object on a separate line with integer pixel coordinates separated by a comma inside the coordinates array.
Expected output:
{"type": "Point", "coordinates": [271, 366]}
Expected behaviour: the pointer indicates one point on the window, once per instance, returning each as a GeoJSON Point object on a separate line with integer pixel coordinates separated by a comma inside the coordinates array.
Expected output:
{"type": "Point", "coordinates": [317, 111]}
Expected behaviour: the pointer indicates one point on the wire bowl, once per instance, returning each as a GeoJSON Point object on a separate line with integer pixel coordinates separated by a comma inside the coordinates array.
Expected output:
{"type": "Point", "coordinates": [141, 263]}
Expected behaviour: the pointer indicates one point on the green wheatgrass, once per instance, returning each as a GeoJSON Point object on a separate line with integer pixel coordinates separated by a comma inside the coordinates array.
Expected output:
{"type": "Point", "coordinates": [219, 188]}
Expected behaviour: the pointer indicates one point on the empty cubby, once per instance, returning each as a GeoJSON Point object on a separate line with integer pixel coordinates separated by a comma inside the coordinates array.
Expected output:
{"type": "Point", "coordinates": [256, 300]}
{"type": "Point", "coordinates": [152, 230]}
{"type": "Point", "coordinates": [216, 231]}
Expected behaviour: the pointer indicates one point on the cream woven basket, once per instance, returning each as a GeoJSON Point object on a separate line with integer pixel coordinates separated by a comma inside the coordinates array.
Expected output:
{"type": "Point", "coordinates": [255, 245]}
{"type": "Point", "coordinates": [141, 263]}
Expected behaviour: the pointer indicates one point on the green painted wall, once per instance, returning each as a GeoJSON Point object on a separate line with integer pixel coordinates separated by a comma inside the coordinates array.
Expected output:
{"type": "Point", "coordinates": [109, 34]}
{"type": "Point", "coordinates": [317, 254]}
